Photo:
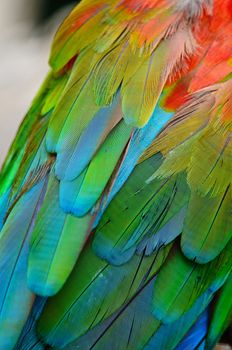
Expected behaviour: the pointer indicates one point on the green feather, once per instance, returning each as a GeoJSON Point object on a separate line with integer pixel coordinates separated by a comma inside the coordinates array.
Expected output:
{"type": "Point", "coordinates": [139, 210]}
{"type": "Point", "coordinates": [207, 231]}
{"type": "Point", "coordinates": [181, 282]}
{"type": "Point", "coordinates": [89, 298]}
{"type": "Point", "coordinates": [56, 242]}
{"type": "Point", "coordinates": [101, 168]}
{"type": "Point", "coordinates": [21, 144]}
{"type": "Point", "coordinates": [55, 91]}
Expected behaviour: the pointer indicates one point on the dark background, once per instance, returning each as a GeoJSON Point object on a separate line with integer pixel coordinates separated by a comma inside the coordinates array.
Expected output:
{"type": "Point", "coordinates": [49, 7]}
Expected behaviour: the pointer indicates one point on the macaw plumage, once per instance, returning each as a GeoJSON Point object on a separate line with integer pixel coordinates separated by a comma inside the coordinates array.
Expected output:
{"type": "Point", "coordinates": [116, 195]}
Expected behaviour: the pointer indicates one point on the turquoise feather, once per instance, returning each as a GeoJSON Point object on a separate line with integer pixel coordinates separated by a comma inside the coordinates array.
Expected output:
{"type": "Point", "coordinates": [69, 167]}
{"type": "Point", "coordinates": [55, 246]}
{"type": "Point", "coordinates": [14, 291]}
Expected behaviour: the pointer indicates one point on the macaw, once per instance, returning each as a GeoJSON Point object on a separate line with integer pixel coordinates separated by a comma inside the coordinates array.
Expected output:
{"type": "Point", "coordinates": [116, 194]}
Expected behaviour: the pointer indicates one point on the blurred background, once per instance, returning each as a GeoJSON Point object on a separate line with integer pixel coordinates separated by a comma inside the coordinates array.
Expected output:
{"type": "Point", "coordinates": [27, 28]}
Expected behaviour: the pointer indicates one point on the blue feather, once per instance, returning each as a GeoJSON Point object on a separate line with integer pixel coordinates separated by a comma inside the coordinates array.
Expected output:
{"type": "Point", "coordinates": [169, 335]}
{"type": "Point", "coordinates": [68, 193]}
{"type": "Point", "coordinates": [4, 200]}
{"type": "Point", "coordinates": [71, 163]}
{"type": "Point", "coordinates": [196, 334]}
{"type": "Point", "coordinates": [29, 339]}
{"type": "Point", "coordinates": [14, 247]}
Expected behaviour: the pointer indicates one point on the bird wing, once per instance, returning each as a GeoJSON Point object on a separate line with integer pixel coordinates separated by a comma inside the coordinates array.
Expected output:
{"type": "Point", "coordinates": [116, 193]}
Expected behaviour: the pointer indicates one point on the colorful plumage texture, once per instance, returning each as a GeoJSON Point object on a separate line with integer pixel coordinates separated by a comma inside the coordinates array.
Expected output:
{"type": "Point", "coordinates": [116, 195]}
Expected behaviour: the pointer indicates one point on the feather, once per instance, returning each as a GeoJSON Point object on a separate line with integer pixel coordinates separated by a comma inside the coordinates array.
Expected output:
{"type": "Point", "coordinates": [90, 141]}
{"type": "Point", "coordinates": [151, 77]}
{"type": "Point", "coordinates": [140, 211]}
{"type": "Point", "coordinates": [140, 140]}
{"type": "Point", "coordinates": [29, 338]}
{"type": "Point", "coordinates": [192, 326]}
{"type": "Point", "coordinates": [55, 246]}
{"type": "Point", "coordinates": [108, 73]}
{"type": "Point", "coordinates": [196, 334]}
{"type": "Point", "coordinates": [90, 298]}
{"type": "Point", "coordinates": [14, 291]}
{"type": "Point", "coordinates": [187, 282]}
{"type": "Point", "coordinates": [68, 192]}
{"type": "Point", "coordinates": [74, 95]}
{"type": "Point", "coordinates": [210, 167]}
{"type": "Point", "coordinates": [206, 232]}
{"type": "Point", "coordinates": [64, 51]}
{"type": "Point", "coordinates": [191, 117]}
{"type": "Point", "coordinates": [134, 322]}
{"type": "Point", "coordinates": [124, 213]}
{"type": "Point", "coordinates": [81, 112]}
{"type": "Point", "coordinates": [24, 147]}
{"type": "Point", "coordinates": [101, 168]}
{"type": "Point", "coordinates": [54, 93]}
